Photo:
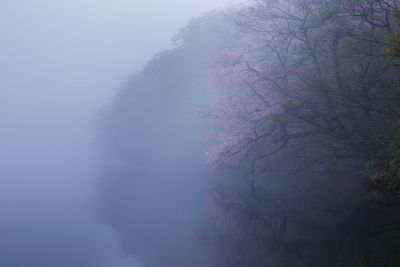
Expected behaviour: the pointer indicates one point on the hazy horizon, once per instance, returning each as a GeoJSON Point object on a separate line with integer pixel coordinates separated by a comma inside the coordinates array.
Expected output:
{"type": "Point", "coordinates": [61, 62]}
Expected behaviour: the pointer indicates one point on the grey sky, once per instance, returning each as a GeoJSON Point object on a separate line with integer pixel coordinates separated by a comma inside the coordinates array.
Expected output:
{"type": "Point", "coordinates": [87, 44]}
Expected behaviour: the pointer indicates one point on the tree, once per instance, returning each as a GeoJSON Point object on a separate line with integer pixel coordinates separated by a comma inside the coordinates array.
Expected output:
{"type": "Point", "coordinates": [308, 72]}
{"type": "Point", "coordinates": [385, 171]}
{"type": "Point", "coordinates": [154, 179]}
{"type": "Point", "coordinates": [306, 85]}
{"type": "Point", "coordinates": [394, 50]}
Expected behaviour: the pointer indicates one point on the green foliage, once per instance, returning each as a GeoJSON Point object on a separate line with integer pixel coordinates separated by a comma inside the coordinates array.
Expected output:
{"type": "Point", "coordinates": [394, 41]}
{"type": "Point", "coordinates": [385, 173]}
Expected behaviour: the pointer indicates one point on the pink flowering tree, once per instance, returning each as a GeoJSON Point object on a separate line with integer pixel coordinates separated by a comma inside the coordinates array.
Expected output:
{"type": "Point", "coordinates": [306, 84]}
{"type": "Point", "coordinates": [305, 71]}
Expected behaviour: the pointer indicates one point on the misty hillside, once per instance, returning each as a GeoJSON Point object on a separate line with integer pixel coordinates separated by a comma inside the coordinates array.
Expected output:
{"type": "Point", "coordinates": [156, 178]}
{"type": "Point", "coordinates": [279, 108]}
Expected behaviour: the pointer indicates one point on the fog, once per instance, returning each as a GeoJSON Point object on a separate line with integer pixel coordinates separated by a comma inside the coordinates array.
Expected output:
{"type": "Point", "coordinates": [61, 62]}
{"type": "Point", "coordinates": [199, 133]}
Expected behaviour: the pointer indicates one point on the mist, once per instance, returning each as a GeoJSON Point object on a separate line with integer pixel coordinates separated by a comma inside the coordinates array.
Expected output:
{"type": "Point", "coordinates": [199, 133]}
{"type": "Point", "coordinates": [61, 63]}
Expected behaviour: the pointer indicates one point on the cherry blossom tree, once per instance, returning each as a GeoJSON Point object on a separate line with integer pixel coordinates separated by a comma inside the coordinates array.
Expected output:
{"type": "Point", "coordinates": [307, 83]}
{"type": "Point", "coordinates": [307, 71]}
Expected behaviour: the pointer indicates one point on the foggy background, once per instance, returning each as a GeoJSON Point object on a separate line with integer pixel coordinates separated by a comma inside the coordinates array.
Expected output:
{"type": "Point", "coordinates": [199, 133]}
{"type": "Point", "coordinates": [61, 61]}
